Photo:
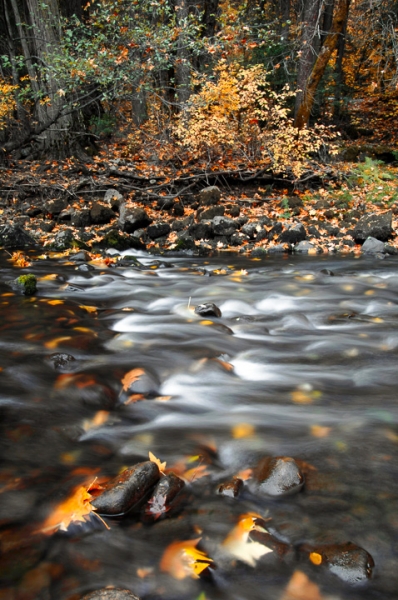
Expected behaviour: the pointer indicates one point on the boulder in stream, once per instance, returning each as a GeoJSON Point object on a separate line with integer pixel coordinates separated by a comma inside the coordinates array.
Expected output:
{"type": "Point", "coordinates": [375, 225]}
{"type": "Point", "coordinates": [127, 489]}
{"type": "Point", "coordinates": [348, 562]}
{"type": "Point", "coordinates": [27, 284]}
{"type": "Point", "coordinates": [277, 476]}
{"type": "Point", "coordinates": [208, 309]}
{"type": "Point", "coordinates": [165, 499]}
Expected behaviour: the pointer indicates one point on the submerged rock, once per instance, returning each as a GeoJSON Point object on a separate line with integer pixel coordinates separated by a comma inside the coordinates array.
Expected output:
{"type": "Point", "coordinates": [208, 309]}
{"type": "Point", "coordinates": [27, 284]}
{"type": "Point", "coordinates": [110, 594]}
{"type": "Point", "coordinates": [127, 489]}
{"type": "Point", "coordinates": [61, 361]}
{"type": "Point", "coordinates": [278, 476]}
{"type": "Point", "coordinates": [348, 562]}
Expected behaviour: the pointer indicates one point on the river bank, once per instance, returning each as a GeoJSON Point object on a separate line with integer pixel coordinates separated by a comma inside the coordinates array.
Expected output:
{"type": "Point", "coordinates": [97, 212]}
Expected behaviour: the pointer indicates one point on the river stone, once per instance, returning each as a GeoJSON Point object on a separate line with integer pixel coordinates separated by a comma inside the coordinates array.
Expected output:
{"type": "Point", "coordinates": [127, 489]}
{"type": "Point", "coordinates": [13, 236]}
{"type": "Point", "coordinates": [209, 195]}
{"type": "Point", "coordinates": [210, 213]}
{"type": "Point", "coordinates": [81, 218]}
{"type": "Point", "coordinates": [61, 361]}
{"type": "Point", "coordinates": [348, 562]}
{"type": "Point", "coordinates": [278, 476]}
{"type": "Point", "coordinates": [224, 226]}
{"type": "Point", "coordinates": [131, 220]}
{"type": "Point", "coordinates": [63, 240]}
{"type": "Point", "coordinates": [27, 284]}
{"type": "Point", "coordinates": [201, 231]}
{"type": "Point", "coordinates": [295, 234]}
{"type": "Point", "coordinates": [110, 594]}
{"type": "Point", "coordinates": [208, 309]}
{"type": "Point", "coordinates": [375, 225]}
{"type": "Point", "coordinates": [231, 488]}
{"type": "Point", "coordinates": [56, 206]}
{"type": "Point", "coordinates": [372, 246]}
{"type": "Point", "coordinates": [164, 497]}
{"type": "Point", "coordinates": [305, 247]}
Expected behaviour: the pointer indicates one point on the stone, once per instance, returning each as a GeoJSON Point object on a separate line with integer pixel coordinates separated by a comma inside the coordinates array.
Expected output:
{"type": "Point", "coordinates": [63, 240]}
{"type": "Point", "coordinates": [132, 219]}
{"type": "Point", "coordinates": [27, 284]}
{"type": "Point", "coordinates": [55, 207]}
{"type": "Point", "coordinates": [81, 256]}
{"type": "Point", "coordinates": [376, 225]}
{"type": "Point", "coordinates": [113, 198]}
{"type": "Point", "coordinates": [210, 213]}
{"type": "Point", "coordinates": [305, 247]}
{"type": "Point", "coordinates": [277, 476]}
{"type": "Point", "coordinates": [208, 309]}
{"type": "Point", "coordinates": [238, 238]}
{"type": "Point", "coordinates": [158, 230]}
{"type": "Point", "coordinates": [66, 215]}
{"type": "Point", "coordinates": [231, 488]}
{"type": "Point", "coordinates": [348, 562]}
{"type": "Point", "coordinates": [81, 218]}
{"type": "Point", "coordinates": [13, 236]}
{"type": "Point", "coordinates": [224, 226]}
{"type": "Point", "coordinates": [251, 229]}
{"type": "Point", "coordinates": [110, 594]}
{"type": "Point", "coordinates": [60, 361]}
{"type": "Point", "coordinates": [313, 232]}
{"type": "Point", "coordinates": [276, 229]}
{"type": "Point", "coordinates": [178, 209]}
{"type": "Point", "coordinates": [127, 490]}
{"type": "Point", "coordinates": [143, 383]}
{"type": "Point", "coordinates": [294, 234]}
{"type": "Point", "coordinates": [165, 203]}
{"type": "Point", "coordinates": [279, 248]}
{"type": "Point", "coordinates": [120, 241]}
{"type": "Point", "coordinates": [209, 195]}
{"type": "Point", "coordinates": [100, 214]}
{"type": "Point", "coordinates": [372, 246]}
{"type": "Point", "coordinates": [201, 231]}
{"type": "Point", "coordinates": [164, 499]}
{"type": "Point", "coordinates": [233, 210]}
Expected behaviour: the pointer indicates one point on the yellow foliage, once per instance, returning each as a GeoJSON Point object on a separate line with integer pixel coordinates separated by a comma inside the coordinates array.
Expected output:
{"type": "Point", "coordinates": [7, 101]}
{"type": "Point", "coordinates": [239, 114]}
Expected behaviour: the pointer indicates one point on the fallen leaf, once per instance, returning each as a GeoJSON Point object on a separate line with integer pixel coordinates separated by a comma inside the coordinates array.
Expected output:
{"type": "Point", "coordinates": [99, 419]}
{"type": "Point", "coordinates": [243, 430]}
{"type": "Point", "coordinates": [238, 544]}
{"type": "Point", "coordinates": [300, 587]}
{"type": "Point", "coordinates": [131, 377]}
{"type": "Point", "coordinates": [183, 559]}
{"type": "Point", "coordinates": [161, 465]}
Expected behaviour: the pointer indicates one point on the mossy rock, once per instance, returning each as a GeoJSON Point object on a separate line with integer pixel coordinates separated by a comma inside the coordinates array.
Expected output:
{"type": "Point", "coordinates": [120, 241]}
{"type": "Point", "coordinates": [27, 284]}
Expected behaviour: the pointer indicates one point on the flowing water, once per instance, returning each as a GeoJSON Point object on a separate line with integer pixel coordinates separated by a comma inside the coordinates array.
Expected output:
{"type": "Point", "coordinates": [302, 363]}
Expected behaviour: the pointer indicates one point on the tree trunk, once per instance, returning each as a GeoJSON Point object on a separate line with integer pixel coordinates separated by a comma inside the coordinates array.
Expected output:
{"type": "Point", "coordinates": [182, 64]}
{"type": "Point", "coordinates": [336, 31]}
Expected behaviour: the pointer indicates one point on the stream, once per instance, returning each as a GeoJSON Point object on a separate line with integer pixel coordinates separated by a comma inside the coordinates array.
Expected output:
{"type": "Point", "coordinates": [106, 364]}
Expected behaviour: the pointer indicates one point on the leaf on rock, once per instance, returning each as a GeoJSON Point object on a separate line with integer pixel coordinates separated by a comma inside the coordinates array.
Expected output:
{"type": "Point", "coordinates": [131, 377]}
{"type": "Point", "coordinates": [161, 465]}
{"type": "Point", "coordinates": [183, 559]}
{"type": "Point", "coordinates": [240, 546]}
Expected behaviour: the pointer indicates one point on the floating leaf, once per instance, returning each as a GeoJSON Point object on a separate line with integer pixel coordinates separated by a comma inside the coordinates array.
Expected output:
{"type": "Point", "coordinates": [240, 546]}
{"type": "Point", "coordinates": [75, 509]}
{"type": "Point", "coordinates": [183, 559]}
{"type": "Point", "coordinates": [161, 465]}
{"type": "Point", "coordinates": [243, 430]}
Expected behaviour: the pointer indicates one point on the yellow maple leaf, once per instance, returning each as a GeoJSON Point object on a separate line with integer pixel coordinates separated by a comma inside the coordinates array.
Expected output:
{"type": "Point", "coordinates": [161, 465]}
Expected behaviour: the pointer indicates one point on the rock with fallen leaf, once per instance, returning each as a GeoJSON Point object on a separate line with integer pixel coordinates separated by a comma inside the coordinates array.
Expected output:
{"type": "Point", "coordinates": [349, 562]}
{"type": "Point", "coordinates": [127, 490]}
{"type": "Point", "coordinates": [166, 498]}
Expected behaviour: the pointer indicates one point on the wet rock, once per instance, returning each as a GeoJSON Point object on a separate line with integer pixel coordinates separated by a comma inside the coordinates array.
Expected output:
{"type": "Point", "coordinates": [113, 198]}
{"type": "Point", "coordinates": [138, 382]}
{"type": "Point", "coordinates": [127, 489]}
{"type": "Point", "coordinates": [224, 226]}
{"type": "Point", "coordinates": [372, 246]}
{"type": "Point", "coordinates": [13, 236]}
{"type": "Point", "coordinates": [81, 256]}
{"type": "Point", "coordinates": [278, 476]}
{"type": "Point", "coordinates": [110, 594]}
{"type": "Point", "coordinates": [375, 225]}
{"type": "Point", "coordinates": [119, 241]}
{"type": "Point", "coordinates": [279, 248]}
{"type": "Point", "coordinates": [61, 361]}
{"type": "Point", "coordinates": [209, 195]}
{"type": "Point", "coordinates": [348, 562]}
{"type": "Point", "coordinates": [295, 234]}
{"type": "Point", "coordinates": [165, 499]}
{"type": "Point", "coordinates": [100, 214]}
{"type": "Point", "coordinates": [81, 218]}
{"type": "Point", "coordinates": [131, 220]}
{"type": "Point", "coordinates": [259, 252]}
{"type": "Point", "coordinates": [305, 247]}
{"type": "Point", "coordinates": [251, 229]}
{"type": "Point", "coordinates": [231, 488]}
{"type": "Point", "coordinates": [27, 284]}
{"type": "Point", "coordinates": [210, 213]}
{"type": "Point", "coordinates": [327, 272]}
{"type": "Point", "coordinates": [158, 230]}
{"type": "Point", "coordinates": [390, 250]}
{"type": "Point", "coordinates": [208, 309]}
{"type": "Point", "coordinates": [56, 206]}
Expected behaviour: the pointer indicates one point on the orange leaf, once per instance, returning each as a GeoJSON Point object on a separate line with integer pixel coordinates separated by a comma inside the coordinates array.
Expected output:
{"type": "Point", "coordinates": [130, 377]}
{"type": "Point", "coordinates": [300, 587]}
{"type": "Point", "coordinates": [183, 559]}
